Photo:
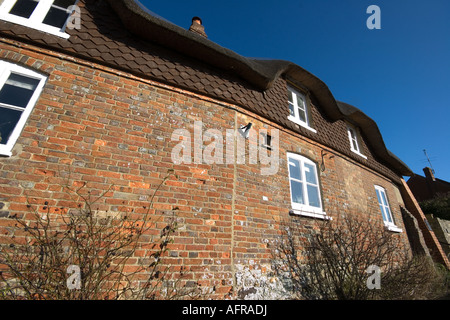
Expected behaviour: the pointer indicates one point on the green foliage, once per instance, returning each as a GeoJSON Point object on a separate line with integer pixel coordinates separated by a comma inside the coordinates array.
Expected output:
{"type": "Point", "coordinates": [439, 206]}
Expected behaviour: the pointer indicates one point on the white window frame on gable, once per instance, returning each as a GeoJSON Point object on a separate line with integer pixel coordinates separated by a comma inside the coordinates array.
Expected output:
{"type": "Point", "coordinates": [385, 209]}
{"type": "Point", "coordinates": [37, 17]}
{"type": "Point", "coordinates": [354, 138]}
{"type": "Point", "coordinates": [22, 112]}
{"type": "Point", "coordinates": [299, 109]}
{"type": "Point", "coordinates": [304, 184]}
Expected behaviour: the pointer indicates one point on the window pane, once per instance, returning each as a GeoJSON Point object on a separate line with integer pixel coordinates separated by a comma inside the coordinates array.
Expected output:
{"type": "Point", "coordinates": [291, 97]}
{"type": "Point", "coordinates": [388, 215]}
{"type": "Point", "coordinates": [18, 90]}
{"type": "Point", "coordinates": [300, 102]}
{"type": "Point", "coordinates": [353, 139]}
{"type": "Point", "coordinates": [24, 8]}
{"type": "Point", "coordinates": [352, 133]}
{"type": "Point", "coordinates": [383, 197]}
{"type": "Point", "coordinates": [313, 196]}
{"type": "Point", "coordinates": [383, 213]}
{"type": "Point", "coordinates": [56, 17]}
{"type": "Point", "coordinates": [380, 203]}
{"type": "Point", "coordinates": [355, 145]}
{"type": "Point", "coordinates": [310, 173]}
{"type": "Point", "coordinates": [8, 121]}
{"type": "Point", "coordinates": [294, 169]}
{"type": "Point", "coordinates": [297, 192]}
{"type": "Point", "coordinates": [291, 109]}
{"type": "Point", "coordinates": [302, 115]}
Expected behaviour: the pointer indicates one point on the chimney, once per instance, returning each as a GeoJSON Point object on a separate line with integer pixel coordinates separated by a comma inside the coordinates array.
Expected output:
{"type": "Point", "coordinates": [198, 27]}
{"type": "Point", "coordinates": [429, 173]}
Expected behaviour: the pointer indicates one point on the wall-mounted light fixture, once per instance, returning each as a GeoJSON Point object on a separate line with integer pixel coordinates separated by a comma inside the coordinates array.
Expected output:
{"type": "Point", "coordinates": [245, 130]}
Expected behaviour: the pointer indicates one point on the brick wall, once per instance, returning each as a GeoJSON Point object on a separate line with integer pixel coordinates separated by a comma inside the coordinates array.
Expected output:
{"type": "Point", "coordinates": [109, 128]}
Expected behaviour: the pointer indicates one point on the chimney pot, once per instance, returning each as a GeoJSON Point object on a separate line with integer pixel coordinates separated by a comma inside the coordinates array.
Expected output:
{"type": "Point", "coordinates": [197, 27]}
{"type": "Point", "coordinates": [197, 20]}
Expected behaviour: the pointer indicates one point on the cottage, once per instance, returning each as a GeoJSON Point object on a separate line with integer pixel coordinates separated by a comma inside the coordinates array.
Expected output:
{"type": "Point", "coordinates": [99, 104]}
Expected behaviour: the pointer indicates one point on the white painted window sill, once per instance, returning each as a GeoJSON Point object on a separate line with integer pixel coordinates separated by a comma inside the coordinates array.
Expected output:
{"type": "Point", "coordinates": [4, 153]}
{"type": "Point", "coordinates": [393, 228]}
{"type": "Point", "coordinates": [358, 153]}
{"type": "Point", "coordinates": [302, 124]}
{"type": "Point", "coordinates": [310, 214]}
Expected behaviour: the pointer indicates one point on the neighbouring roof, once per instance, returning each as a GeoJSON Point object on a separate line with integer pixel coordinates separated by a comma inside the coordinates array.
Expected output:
{"type": "Point", "coordinates": [260, 73]}
{"type": "Point", "coordinates": [428, 187]}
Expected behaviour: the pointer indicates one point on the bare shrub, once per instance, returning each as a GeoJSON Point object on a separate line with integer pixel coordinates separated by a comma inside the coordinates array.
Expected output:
{"type": "Point", "coordinates": [118, 256]}
{"type": "Point", "coordinates": [331, 261]}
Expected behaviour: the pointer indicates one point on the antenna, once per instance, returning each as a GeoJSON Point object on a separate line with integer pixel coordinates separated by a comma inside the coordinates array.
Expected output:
{"type": "Point", "coordinates": [429, 161]}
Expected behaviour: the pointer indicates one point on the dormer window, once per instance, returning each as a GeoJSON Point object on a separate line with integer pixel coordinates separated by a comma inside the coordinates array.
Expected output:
{"type": "Point", "coordinates": [354, 138]}
{"type": "Point", "coordinates": [298, 108]}
{"type": "Point", "coordinates": [50, 16]}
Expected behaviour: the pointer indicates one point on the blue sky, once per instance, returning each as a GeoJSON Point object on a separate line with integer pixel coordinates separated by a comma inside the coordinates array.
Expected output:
{"type": "Point", "coordinates": [398, 75]}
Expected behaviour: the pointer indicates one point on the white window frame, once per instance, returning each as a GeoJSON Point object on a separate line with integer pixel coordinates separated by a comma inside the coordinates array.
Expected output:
{"type": "Point", "coordinates": [296, 118]}
{"type": "Point", "coordinates": [354, 137]}
{"type": "Point", "coordinates": [305, 209]}
{"type": "Point", "coordinates": [385, 209]}
{"type": "Point", "coordinates": [6, 68]}
{"type": "Point", "coordinates": [36, 18]}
